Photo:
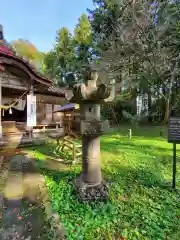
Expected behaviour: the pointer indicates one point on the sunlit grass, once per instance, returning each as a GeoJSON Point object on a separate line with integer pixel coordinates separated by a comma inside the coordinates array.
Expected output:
{"type": "Point", "coordinates": [142, 204]}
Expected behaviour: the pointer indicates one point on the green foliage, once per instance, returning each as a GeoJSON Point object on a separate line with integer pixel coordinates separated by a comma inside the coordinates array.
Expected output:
{"type": "Point", "coordinates": [82, 32]}
{"type": "Point", "coordinates": [83, 45]}
{"type": "Point", "coordinates": [142, 204]}
{"type": "Point", "coordinates": [71, 54]}
{"type": "Point", "coordinates": [27, 50]}
{"type": "Point", "coordinates": [139, 41]}
{"type": "Point", "coordinates": [133, 119]}
{"type": "Point", "coordinates": [59, 62]}
{"type": "Point", "coordinates": [50, 68]}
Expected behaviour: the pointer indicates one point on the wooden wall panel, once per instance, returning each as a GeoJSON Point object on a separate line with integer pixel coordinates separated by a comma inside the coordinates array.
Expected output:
{"type": "Point", "coordinates": [49, 113]}
{"type": "Point", "coordinates": [12, 81]}
{"type": "Point", "coordinates": [40, 111]}
{"type": "Point", "coordinates": [44, 113]}
{"type": "Point", "coordinates": [58, 116]}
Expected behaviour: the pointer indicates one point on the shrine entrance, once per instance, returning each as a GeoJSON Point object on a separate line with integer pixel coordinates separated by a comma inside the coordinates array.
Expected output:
{"type": "Point", "coordinates": [15, 109]}
{"type": "Point", "coordinates": [14, 114]}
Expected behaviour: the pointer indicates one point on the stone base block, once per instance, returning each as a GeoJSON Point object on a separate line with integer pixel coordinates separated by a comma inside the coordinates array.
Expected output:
{"type": "Point", "coordinates": [88, 193]}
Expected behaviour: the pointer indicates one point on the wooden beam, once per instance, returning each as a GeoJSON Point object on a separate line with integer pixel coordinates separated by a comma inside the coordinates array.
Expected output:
{"type": "Point", "coordinates": [50, 99]}
{"type": "Point", "coordinates": [15, 87]}
{"type": "Point", "coordinates": [12, 81]}
{"type": "Point", "coordinates": [41, 98]}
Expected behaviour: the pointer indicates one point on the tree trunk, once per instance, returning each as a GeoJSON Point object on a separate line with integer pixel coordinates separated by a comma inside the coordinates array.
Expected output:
{"type": "Point", "coordinates": [134, 101]}
{"type": "Point", "coordinates": [149, 105]}
{"type": "Point", "coordinates": [167, 110]}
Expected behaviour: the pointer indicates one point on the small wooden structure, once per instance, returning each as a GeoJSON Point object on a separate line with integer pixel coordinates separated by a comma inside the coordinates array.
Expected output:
{"type": "Point", "coordinates": [70, 116]}
{"type": "Point", "coordinates": [72, 146]}
{"type": "Point", "coordinates": [18, 79]}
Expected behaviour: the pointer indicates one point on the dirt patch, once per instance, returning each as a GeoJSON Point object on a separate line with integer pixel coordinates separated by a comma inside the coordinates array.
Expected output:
{"type": "Point", "coordinates": [22, 219]}
{"type": "Point", "coordinates": [25, 209]}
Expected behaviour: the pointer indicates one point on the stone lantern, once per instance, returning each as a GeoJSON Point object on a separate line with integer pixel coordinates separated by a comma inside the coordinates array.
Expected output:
{"type": "Point", "coordinates": [90, 185]}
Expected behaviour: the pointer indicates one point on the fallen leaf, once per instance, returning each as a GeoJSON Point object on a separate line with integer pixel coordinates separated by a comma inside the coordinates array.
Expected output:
{"type": "Point", "coordinates": [122, 198]}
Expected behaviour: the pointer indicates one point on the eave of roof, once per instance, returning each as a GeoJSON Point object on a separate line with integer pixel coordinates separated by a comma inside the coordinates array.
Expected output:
{"type": "Point", "coordinates": [57, 90]}
{"type": "Point", "coordinates": [10, 55]}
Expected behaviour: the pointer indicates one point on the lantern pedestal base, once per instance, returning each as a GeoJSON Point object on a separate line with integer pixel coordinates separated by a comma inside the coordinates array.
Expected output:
{"type": "Point", "coordinates": [88, 192]}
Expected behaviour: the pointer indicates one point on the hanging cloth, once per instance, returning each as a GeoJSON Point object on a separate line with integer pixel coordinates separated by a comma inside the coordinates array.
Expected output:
{"type": "Point", "coordinates": [20, 105]}
{"type": "Point", "coordinates": [13, 104]}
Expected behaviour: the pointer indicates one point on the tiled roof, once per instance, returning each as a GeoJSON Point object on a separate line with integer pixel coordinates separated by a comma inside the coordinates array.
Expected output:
{"type": "Point", "coordinates": [58, 90]}
{"type": "Point", "coordinates": [5, 50]}
{"type": "Point", "coordinates": [7, 53]}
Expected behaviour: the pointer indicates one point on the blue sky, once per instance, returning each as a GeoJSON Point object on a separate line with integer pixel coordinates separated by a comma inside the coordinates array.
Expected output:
{"type": "Point", "coordinates": [38, 20]}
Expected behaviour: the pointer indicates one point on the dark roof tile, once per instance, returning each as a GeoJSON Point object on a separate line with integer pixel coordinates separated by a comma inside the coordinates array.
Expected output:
{"type": "Point", "coordinates": [58, 90]}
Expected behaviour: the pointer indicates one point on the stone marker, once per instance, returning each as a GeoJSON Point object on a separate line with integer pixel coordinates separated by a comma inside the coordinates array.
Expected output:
{"type": "Point", "coordinates": [90, 185]}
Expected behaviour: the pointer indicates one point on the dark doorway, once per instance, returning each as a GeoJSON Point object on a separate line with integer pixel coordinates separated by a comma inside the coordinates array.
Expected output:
{"type": "Point", "coordinates": [14, 115]}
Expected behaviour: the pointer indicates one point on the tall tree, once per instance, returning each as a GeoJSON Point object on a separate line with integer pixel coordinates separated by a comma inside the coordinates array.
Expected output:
{"type": "Point", "coordinates": [83, 45]}
{"type": "Point", "coordinates": [27, 50]}
{"type": "Point", "coordinates": [60, 61]}
{"type": "Point", "coordinates": [142, 43]}
{"type": "Point", "coordinates": [50, 65]}
{"type": "Point", "coordinates": [72, 54]}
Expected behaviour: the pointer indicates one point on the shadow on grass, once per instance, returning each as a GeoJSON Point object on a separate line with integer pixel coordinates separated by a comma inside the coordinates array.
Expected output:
{"type": "Point", "coordinates": [51, 166]}
{"type": "Point", "coordinates": [129, 177]}
{"type": "Point", "coordinates": [147, 170]}
{"type": "Point", "coordinates": [142, 131]}
{"type": "Point", "coordinates": [22, 163]}
{"type": "Point", "coordinates": [50, 154]}
{"type": "Point", "coordinates": [57, 175]}
{"type": "Point", "coordinates": [119, 147]}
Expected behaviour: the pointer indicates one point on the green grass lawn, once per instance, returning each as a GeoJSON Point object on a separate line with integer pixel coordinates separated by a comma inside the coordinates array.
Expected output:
{"type": "Point", "coordinates": [142, 204]}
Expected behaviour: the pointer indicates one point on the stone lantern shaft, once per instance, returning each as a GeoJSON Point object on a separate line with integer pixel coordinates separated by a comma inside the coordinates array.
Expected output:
{"type": "Point", "coordinates": [91, 146]}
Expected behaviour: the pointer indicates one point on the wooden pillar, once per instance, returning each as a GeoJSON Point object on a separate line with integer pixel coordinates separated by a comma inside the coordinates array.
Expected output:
{"type": "Point", "coordinates": [53, 113]}
{"type": "Point", "coordinates": [0, 104]}
{"type": "Point", "coordinates": [31, 128]}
